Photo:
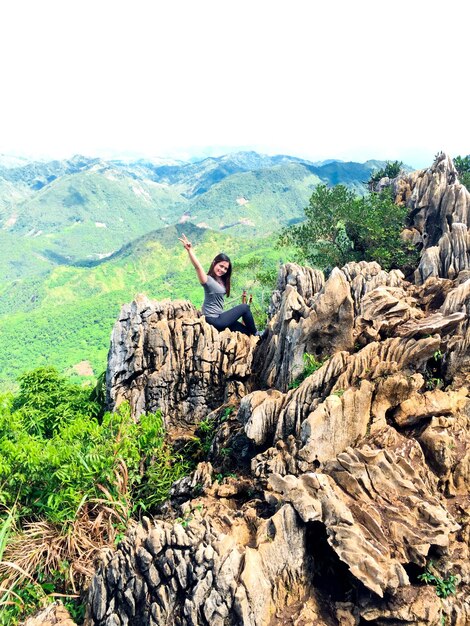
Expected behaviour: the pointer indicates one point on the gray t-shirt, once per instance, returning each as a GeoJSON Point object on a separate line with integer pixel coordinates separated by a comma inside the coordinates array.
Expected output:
{"type": "Point", "coordinates": [214, 294]}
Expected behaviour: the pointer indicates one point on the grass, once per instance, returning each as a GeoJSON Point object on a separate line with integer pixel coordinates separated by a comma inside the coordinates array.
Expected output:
{"type": "Point", "coordinates": [68, 317]}
{"type": "Point", "coordinates": [71, 481]}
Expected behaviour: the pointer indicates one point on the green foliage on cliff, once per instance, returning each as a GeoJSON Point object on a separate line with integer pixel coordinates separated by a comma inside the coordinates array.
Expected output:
{"type": "Point", "coordinates": [391, 169]}
{"type": "Point", "coordinates": [55, 454]}
{"type": "Point", "coordinates": [444, 586]}
{"type": "Point", "coordinates": [69, 483]}
{"type": "Point", "coordinates": [462, 165]}
{"type": "Point", "coordinates": [340, 227]}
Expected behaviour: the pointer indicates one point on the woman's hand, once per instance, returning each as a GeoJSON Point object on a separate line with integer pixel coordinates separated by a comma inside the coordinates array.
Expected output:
{"type": "Point", "coordinates": [193, 258]}
{"type": "Point", "coordinates": [185, 242]}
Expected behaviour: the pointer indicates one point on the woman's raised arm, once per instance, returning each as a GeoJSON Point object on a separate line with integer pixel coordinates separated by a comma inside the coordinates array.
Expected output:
{"type": "Point", "coordinates": [201, 274]}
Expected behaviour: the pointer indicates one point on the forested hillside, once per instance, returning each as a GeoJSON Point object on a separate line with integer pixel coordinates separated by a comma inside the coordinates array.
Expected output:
{"type": "Point", "coordinates": [78, 238]}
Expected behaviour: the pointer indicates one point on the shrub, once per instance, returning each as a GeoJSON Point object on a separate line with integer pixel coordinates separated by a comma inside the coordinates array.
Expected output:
{"type": "Point", "coordinates": [340, 227]}
{"type": "Point", "coordinates": [462, 165]}
{"type": "Point", "coordinates": [73, 481]}
{"type": "Point", "coordinates": [391, 170]}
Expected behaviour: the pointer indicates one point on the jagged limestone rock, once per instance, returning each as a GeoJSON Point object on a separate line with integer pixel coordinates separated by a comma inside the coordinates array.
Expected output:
{"type": "Point", "coordinates": [378, 511]}
{"type": "Point", "coordinates": [446, 445]}
{"type": "Point", "coordinates": [205, 569]}
{"type": "Point", "coordinates": [269, 415]}
{"type": "Point", "coordinates": [163, 355]}
{"type": "Point", "coordinates": [323, 321]}
{"type": "Point", "coordinates": [53, 615]}
{"type": "Point", "coordinates": [306, 281]}
{"type": "Point", "coordinates": [349, 484]}
{"type": "Point", "coordinates": [440, 209]}
{"type": "Point", "coordinates": [366, 276]}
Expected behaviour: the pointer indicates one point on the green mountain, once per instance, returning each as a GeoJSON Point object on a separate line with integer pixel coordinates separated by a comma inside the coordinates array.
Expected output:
{"type": "Point", "coordinates": [93, 212]}
{"type": "Point", "coordinates": [260, 201]}
{"type": "Point", "coordinates": [81, 210]}
{"type": "Point", "coordinates": [67, 317]}
{"type": "Point", "coordinates": [78, 238]}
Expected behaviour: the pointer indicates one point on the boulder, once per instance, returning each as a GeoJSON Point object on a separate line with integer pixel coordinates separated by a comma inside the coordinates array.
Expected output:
{"type": "Point", "coordinates": [164, 356]}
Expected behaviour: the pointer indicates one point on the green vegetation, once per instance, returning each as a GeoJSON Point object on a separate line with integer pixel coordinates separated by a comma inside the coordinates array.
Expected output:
{"type": "Point", "coordinates": [205, 432]}
{"type": "Point", "coordinates": [462, 165]}
{"type": "Point", "coordinates": [444, 586]}
{"type": "Point", "coordinates": [310, 365]}
{"type": "Point", "coordinates": [69, 483]}
{"type": "Point", "coordinates": [390, 170]}
{"type": "Point", "coordinates": [340, 227]}
{"type": "Point", "coordinates": [255, 203]}
{"type": "Point", "coordinates": [94, 212]}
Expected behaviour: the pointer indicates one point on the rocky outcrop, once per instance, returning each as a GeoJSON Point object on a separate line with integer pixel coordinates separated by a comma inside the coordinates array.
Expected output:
{"type": "Point", "coordinates": [164, 356]}
{"type": "Point", "coordinates": [317, 323]}
{"type": "Point", "coordinates": [439, 216]}
{"type": "Point", "coordinates": [205, 570]}
{"type": "Point", "coordinates": [325, 497]}
{"type": "Point", "coordinates": [376, 501]}
{"type": "Point", "coordinates": [53, 615]}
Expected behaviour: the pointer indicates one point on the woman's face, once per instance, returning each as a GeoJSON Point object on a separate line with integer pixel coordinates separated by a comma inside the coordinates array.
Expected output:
{"type": "Point", "coordinates": [221, 268]}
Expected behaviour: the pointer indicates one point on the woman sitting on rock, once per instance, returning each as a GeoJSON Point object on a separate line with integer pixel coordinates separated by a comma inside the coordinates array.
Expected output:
{"type": "Point", "coordinates": [216, 285]}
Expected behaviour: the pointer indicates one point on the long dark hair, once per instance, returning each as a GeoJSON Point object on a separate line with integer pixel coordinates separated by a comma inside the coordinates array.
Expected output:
{"type": "Point", "coordinates": [226, 277]}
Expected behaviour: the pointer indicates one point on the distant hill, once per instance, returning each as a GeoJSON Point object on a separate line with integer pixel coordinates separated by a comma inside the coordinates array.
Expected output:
{"type": "Point", "coordinates": [259, 201]}
{"type": "Point", "coordinates": [93, 212]}
{"type": "Point", "coordinates": [85, 209]}
{"type": "Point", "coordinates": [197, 178]}
{"type": "Point", "coordinates": [80, 237]}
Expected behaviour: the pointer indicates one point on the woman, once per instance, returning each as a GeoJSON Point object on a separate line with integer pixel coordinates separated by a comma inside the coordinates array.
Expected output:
{"type": "Point", "coordinates": [216, 284]}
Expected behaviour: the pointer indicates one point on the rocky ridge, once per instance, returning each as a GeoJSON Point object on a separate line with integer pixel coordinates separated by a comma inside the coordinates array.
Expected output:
{"type": "Point", "coordinates": [325, 500]}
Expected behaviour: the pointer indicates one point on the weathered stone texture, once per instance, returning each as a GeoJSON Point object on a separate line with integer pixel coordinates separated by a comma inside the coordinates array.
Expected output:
{"type": "Point", "coordinates": [163, 355]}
{"type": "Point", "coordinates": [344, 486]}
{"type": "Point", "coordinates": [440, 209]}
{"type": "Point", "coordinates": [205, 569]}
{"type": "Point", "coordinates": [53, 615]}
{"type": "Point", "coordinates": [378, 511]}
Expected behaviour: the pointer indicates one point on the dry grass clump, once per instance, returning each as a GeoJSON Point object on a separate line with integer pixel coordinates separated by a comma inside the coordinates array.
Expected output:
{"type": "Point", "coordinates": [40, 550]}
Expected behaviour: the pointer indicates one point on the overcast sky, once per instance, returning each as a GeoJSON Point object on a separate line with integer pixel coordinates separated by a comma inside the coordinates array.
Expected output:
{"type": "Point", "coordinates": [333, 79]}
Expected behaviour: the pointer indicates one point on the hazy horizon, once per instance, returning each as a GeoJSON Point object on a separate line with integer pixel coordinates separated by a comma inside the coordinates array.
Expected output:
{"type": "Point", "coordinates": [337, 80]}
{"type": "Point", "coordinates": [200, 154]}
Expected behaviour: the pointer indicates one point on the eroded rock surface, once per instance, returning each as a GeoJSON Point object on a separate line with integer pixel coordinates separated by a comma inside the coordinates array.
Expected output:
{"type": "Point", "coordinates": [53, 615]}
{"type": "Point", "coordinates": [324, 497]}
{"type": "Point", "coordinates": [206, 569]}
{"type": "Point", "coordinates": [163, 355]}
{"type": "Point", "coordinates": [440, 209]}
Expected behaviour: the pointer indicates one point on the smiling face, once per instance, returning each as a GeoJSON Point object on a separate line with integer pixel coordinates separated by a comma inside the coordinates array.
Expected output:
{"type": "Point", "coordinates": [221, 268]}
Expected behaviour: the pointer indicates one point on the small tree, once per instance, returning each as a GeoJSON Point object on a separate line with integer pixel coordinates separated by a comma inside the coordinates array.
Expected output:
{"type": "Point", "coordinates": [462, 165]}
{"type": "Point", "coordinates": [375, 226]}
{"type": "Point", "coordinates": [47, 401]}
{"type": "Point", "coordinates": [321, 238]}
{"type": "Point", "coordinates": [391, 170]}
{"type": "Point", "coordinates": [340, 227]}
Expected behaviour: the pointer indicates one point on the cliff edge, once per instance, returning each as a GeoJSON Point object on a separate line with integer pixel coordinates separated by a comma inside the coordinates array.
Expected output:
{"type": "Point", "coordinates": [339, 499]}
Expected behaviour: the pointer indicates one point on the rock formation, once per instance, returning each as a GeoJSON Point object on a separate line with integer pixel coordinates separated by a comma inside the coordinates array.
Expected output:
{"type": "Point", "coordinates": [439, 217]}
{"type": "Point", "coordinates": [164, 355]}
{"type": "Point", "coordinates": [53, 615]}
{"type": "Point", "coordinates": [341, 493]}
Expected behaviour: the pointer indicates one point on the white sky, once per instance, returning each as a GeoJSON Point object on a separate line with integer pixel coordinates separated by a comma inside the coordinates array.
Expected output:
{"type": "Point", "coordinates": [333, 79]}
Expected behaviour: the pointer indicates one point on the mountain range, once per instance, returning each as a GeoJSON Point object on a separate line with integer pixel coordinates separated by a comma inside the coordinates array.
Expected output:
{"type": "Point", "coordinates": [86, 208]}
{"type": "Point", "coordinates": [81, 236]}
